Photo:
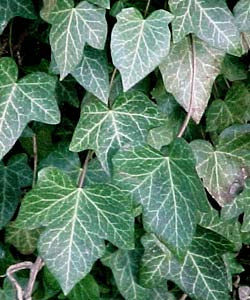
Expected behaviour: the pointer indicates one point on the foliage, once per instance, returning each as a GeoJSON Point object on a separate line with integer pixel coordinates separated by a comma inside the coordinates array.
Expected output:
{"type": "Point", "coordinates": [125, 149]}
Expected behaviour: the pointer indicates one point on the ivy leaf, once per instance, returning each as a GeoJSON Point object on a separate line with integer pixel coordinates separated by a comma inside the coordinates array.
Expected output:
{"type": "Point", "coordinates": [106, 130]}
{"type": "Point", "coordinates": [234, 109]}
{"type": "Point", "coordinates": [25, 241]}
{"type": "Point", "coordinates": [233, 68]}
{"type": "Point", "coordinates": [30, 98]}
{"type": "Point", "coordinates": [71, 28]}
{"type": "Point", "coordinates": [189, 72]}
{"type": "Point", "coordinates": [167, 187]}
{"type": "Point", "coordinates": [222, 169]}
{"type": "Point", "coordinates": [242, 15]}
{"type": "Point", "coordinates": [14, 176]}
{"type": "Point", "coordinates": [77, 220]}
{"type": "Point", "coordinates": [102, 3]}
{"type": "Point", "coordinates": [210, 21]}
{"type": "Point", "coordinates": [241, 204]}
{"type": "Point", "coordinates": [202, 274]}
{"type": "Point", "coordinates": [137, 45]}
{"type": "Point", "coordinates": [92, 73]}
{"type": "Point", "coordinates": [124, 265]}
{"type": "Point", "coordinates": [86, 289]}
{"type": "Point", "coordinates": [12, 8]}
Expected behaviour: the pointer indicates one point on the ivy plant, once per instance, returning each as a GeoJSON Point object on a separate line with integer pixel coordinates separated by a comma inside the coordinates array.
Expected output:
{"type": "Point", "coordinates": [125, 149]}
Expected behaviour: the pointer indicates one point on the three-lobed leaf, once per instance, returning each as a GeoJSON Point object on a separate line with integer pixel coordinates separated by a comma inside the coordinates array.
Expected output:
{"type": "Point", "coordinates": [72, 27]}
{"type": "Point", "coordinates": [77, 222]}
{"type": "Point", "coordinates": [106, 130]}
{"type": "Point", "coordinates": [167, 187]}
{"type": "Point", "coordinates": [138, 46]}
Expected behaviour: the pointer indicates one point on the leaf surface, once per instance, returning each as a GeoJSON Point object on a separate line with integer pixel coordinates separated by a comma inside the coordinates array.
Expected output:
{"type": "Point", "coordinates": [102, 3]}
{"type": "Point", "coordinates": [242, 15]}
{"type": "Point", "coordinates": [30, 98]}
{"type": "Point", "coordinates": [106, 130]}
{"type": "Point", "coordinates": [137, 45]}
{"type": "Point", "coordinates": [77, 220]}
{"type": "Point", "coordinates": [189, 72]}
{"type": "Point", "coordinates": [168, 188]}
{"type": "Point", "coordinates": [210, 20]}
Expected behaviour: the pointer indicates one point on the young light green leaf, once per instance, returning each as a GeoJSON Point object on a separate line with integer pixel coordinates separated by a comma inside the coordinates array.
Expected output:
{"type": "Point", "coordinates": [210, 20]}
{"type": "Point", "coordinates": [102, 3]}
{"type": "Point", "coordinates": [168, 189]}
{"type": "Point", "coordinates": [12, 8]}
{"type": "Point", "coordinates": [86, 289]}
{"type": "Point", "coordinates": [189, 72]}
{"type": "Point", "coordinates": [106, 130]}
{"type": "Point", "coordinates": [14, 176]}
{"type": "Point", "coordinates": [78, 221]}
{"type": "Point", "coordinates": [223, 169]}
{"type": "Point", "coordinates": [202, 275]}
{"type": "Point", "coordinates": [137, 45]}
{"type": "Point", "coordinates": [233, 110]}
{"type": "Point", "coordinates": [25, 241]}
{"type": "Point", "coordinates": [241, 204]}
{"type": "Point", "coordinates": [71, 28]}
{"type": "Point", "coordinates": [242, 15]}
{"type": "Point", "coordinates": [30, 98]}
{"type": "Point", "coordinates": [92, 73]}
{"type": "Point", "coordinates": [124, 265]}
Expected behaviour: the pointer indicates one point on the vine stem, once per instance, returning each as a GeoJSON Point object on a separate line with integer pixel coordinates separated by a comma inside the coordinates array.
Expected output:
{"type": "Point", "coordinates": [84, 169]}
{"type": "Point", "coordinates": [35, 160]}
{"type": "Point", "coordinates": [10, 38]}
{"type": "Point", "coordinates": [183, 297]}
{"type": "Point", "coordinates": [147, 8]}
{"type": "Point", "coordinates": [189, 113]}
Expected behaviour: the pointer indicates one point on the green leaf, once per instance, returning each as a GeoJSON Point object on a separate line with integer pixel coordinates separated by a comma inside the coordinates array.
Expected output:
{"type": "Point", "coordinates": [124, 265]}
{"type": "Point", "coordinates": [210, 20]}
{"type": "Point", "coordinates": [189, 72]}
{"type": "Point", "coordinates": [66, 92]}
{"type": "Point", "coordinates": [102, 3]}
{"type": "Point", "coordinates": [72, 27]}
{"type": "Point", "coordinates": [14, 176]}
{"type": "Point", "coordinates": [12, 8]}
{"type": "Point", "coordinates": [25, 241]}
{"type": "Point", "coordinates": [168, 189]}
{"type": "Point", "coordinates": [86, 289]}
{"type": "Point", "coordinates": [241, 204]}
{"type": "Point", "coordinates": [31, 98]}
{"type": "Point", "coordinates": [106, 130]}
{"type": "Point", "coordinates": [92, 73]}
{"type": "Point", "coordinates": [137, 45]}
{"type": "Point", "coordinates": [234, 109]}
{"type": "Point", "coordinates": [242, 15]}
{"type": "Point", "coordinates": [233, 68]}
{"type": "Point", "coordinates": [222, 169]}
{"type": "Point", "coordinates": [77, 220]}
{"type": "Point", "coordinates": [202, 275]}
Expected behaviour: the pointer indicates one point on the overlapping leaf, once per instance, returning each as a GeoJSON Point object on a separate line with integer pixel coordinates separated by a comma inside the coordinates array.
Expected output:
{"type": "Point", "coordinates": [92, 73]}
{"type": "Point", "coordinates": [124, 265]}
{"type": "Point", "coordinates": [189, 72]}
{"type": "Point", "coordinates": [102, 3]}
{"type": "Point", "coordinates": [14, 176]}
{"type": "Point", "coordinates": [242, 15]}
{"type": "Point", "coordinates": [77, 220]}
{"type": "Point", "coordinates": [241, 204]}
{"type": "Point", "coordinates": [12, 8]}
{"type": "Point", "coordinates": [25, 241]}
{"type": "Point", "coordinates": [233, 110]}
{"type": "Point", "coordinates": [168, 189]}
{"type": "Point", "coordinates": [210, 20]}
{"type": "Point", "coordinates": [137, 45]}
{"type": "Point", "coordinates": [71, 28]}
{"type": "Point", "coordinates": [223, 170]}
{"type": "Point", "coordinates": [106, 130]}
{"type": "Point", "coordinates": [30, 98]}
{"type": "Point", "coordinates": [202, 275]}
